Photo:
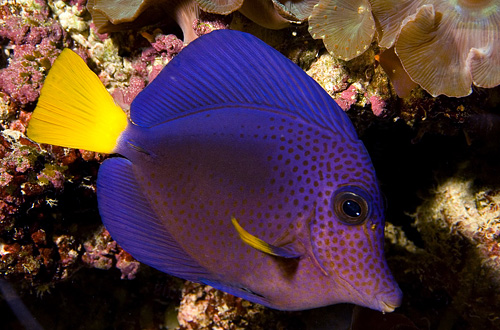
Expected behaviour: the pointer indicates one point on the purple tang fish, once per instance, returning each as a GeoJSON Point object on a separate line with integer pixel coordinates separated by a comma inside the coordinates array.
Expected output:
{"type": "Point", "coordinates": [238, 170]}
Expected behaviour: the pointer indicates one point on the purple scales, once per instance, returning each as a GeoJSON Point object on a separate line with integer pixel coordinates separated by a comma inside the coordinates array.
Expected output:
{"type": "Point", "coordinates": [239, 171]}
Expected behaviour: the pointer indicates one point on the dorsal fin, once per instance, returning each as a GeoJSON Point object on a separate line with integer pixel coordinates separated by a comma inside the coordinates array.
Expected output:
{"type": "Point", "coordinates": [228, 68]}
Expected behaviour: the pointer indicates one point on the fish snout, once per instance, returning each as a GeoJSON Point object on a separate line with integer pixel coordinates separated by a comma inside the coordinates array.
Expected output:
{"type": "Point", "coordinates": [388, 301]}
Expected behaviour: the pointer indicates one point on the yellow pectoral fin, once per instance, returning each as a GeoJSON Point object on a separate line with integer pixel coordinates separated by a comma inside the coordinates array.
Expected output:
{"type": "Point", "coordinates": [75, 110]}
{"type": "Point", "coordinates": [260, 245]}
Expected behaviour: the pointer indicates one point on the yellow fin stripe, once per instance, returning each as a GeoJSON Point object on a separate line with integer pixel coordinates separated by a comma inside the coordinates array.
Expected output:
{"type": "Point", "coordinates": [253, 241]}
{"type": "Point", "coordinates": [75, 110]}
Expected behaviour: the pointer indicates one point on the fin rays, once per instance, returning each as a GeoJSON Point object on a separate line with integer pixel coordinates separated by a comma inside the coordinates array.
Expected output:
{"type": "Point", "coordinates": [127, 215]}
{"type": "Point", "coordinates": [239, 70]}
{"type": "Point", "coordinates": [260, 245]}
{"type": "Point", "coordinates": [75, 110]}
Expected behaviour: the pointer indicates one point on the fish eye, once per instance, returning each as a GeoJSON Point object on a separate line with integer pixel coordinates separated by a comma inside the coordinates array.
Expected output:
{"type": "Point", "coordinates": [350, 205]}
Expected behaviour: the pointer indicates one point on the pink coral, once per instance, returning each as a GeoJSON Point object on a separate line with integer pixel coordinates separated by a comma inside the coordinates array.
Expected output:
{"type": "Point", "coordinates": [80, 4]}
{"type": "Point", "coordinates": [21, 79]}
{"type": "Point", "coordinates": [124, 96]}
{"type": "Point", "coordinates": [127, 265]}
{"type": "Point", "coordinates": [17, 160]}
{"type": "Point", "coordinates": [347, 98]}
{"type": "Point", "coordinates": [136, 86]}
{"type": "Point", "coordinates": [154, 72]}
{"type": "Point", "coordinates": [161, 45]}
{"type": "Point", "coordinates": [210, 22]}
{"type": "Point", "coordinates": [378, 105]}
{"type": "Point", "coordinates": [52, 174]}
{"type": "Point", "coordinates": [5, 179]}
{"type": "Point", "coordinates": [34, 43]}
{"type": "Point", "coordinates": [21, 123]}
{"type": "Point", "coordinates": [99, 250]}
{"type": "Point", "coordinates": [168, 44]}
{"type": "Point", "coordinates": [101, 36]}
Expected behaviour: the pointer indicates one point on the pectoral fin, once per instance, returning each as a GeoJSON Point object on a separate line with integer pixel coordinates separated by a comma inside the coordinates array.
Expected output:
{"type": "Point", "coordinates": [257, 243]}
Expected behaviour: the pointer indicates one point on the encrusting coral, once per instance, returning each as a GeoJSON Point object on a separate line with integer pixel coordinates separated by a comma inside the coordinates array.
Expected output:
{"type": "Point", "coordinates": [34, 41]}
{"type": "Point", "coordinates": [461, 229]}
{"type": "Point", "coordinates": [348, 90]}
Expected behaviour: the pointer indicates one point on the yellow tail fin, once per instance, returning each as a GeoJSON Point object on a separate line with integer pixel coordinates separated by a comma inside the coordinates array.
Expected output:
{"type": "Point", "coordinates": [75, 110]}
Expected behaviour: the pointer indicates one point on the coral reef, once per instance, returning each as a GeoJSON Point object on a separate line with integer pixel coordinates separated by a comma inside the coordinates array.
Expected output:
{"type": "Point", "coordinates": [109, 15]}
{"type": "Point", "coordinates": [102, 252]}
{"type": "Point", "coordinates": [133, 14]}
{"type": "Point", "coordinates": [53, 248]}
{"type": "Point", "coordinates": [207, 23]}
{"type": "Point", "coordinates": [203, 307]}
{"type": "Point", "coordinates": [415, 29]}
{"type": "Point", "coordinates": [460, 227]}
{"type": "Point", "coordinates": [348, 87]}
{"type": "Point", "coordinates": [18, 157]}
{"type": "Point", "coordinates": [29, 182]}
{"type": "Point", "coordinates": [35, 40]}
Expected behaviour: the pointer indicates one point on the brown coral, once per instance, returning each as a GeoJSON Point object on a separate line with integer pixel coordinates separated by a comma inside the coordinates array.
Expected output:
{"type": "Point", "coordinates": [300, 10]}
{"type": "Point", "coordinates": [222, 7]}
{"type": "Point", "coordinates": [444, 45]}
{"type": "Point", "coordinates": [115, 15]}
{"type": "Point", "coordinates": [346, 27]}
{"type": "Point", "coordinates": [448, 45]}
{"type": "Point", "coordinates": [109, 15]}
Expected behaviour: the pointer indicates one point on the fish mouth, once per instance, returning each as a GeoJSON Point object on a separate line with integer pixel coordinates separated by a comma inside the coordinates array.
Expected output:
{"type": "Point", "coordinates": [389, 301]}
{"type": "Point", "coordinates": [383, 301]}
{"type": "Point", "coordinates": [387, 307]}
